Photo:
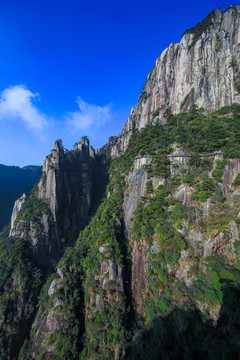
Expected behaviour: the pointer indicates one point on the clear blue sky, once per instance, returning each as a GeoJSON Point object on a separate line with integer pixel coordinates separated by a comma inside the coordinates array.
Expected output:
{"type": "Point", "coordinates": [73, 68]}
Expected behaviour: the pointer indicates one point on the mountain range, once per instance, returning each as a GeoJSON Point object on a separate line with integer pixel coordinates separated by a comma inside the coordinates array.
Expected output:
{"type": "Point", "coordinates": [132, 251]}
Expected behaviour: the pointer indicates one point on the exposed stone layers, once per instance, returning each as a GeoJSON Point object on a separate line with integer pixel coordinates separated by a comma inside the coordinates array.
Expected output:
{"type": "Point", "coordinates": [204, 73]}
{"type": "Point", "coordinates": [65, 187]}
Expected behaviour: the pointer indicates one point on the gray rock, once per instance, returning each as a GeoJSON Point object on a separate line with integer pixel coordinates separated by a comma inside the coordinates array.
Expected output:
{"type": "Point", "coordinates": [184, 194]}
{"type": "Point", "coordinates": [140, 161]}
{"type": "Point", "coordinates": [136, 188]}
{"type": "Point", "coordinates": [99, 303]}
{"type": "Point", "coordinates": [65, 188]}
{"type": "Point", "coordinates": [194, 238]}
{"type": "Point", "coordinates": [17, 207]}
{"type": "Point", "coordinates": [53, 321]}
{"type": "Point", "coordinates": [111, 275]}
{"type": "Point", "coordinates": [140, 265]}
{"type": "Point", "coordinates": [206, 206]}
{"type": "Point", "coordinates": [84, 149]}
{"type": "Point", "coordinates": [231, 170]}
{"type": "Point", "coordinates": [188, 74]}
{"type": "Point", "coordinates": [104, 248]}
{"type": "Point", "coordinates": [155, 246]}
{"type": "Point", "coordinates": [156, 181]}
{"type": "Point", "coordinates": [178, 160]}
{"type": "Point", "coordinates": [217, 243]}
{"type": "Point", "coordinates": [57, 302]}
{"type": "Point", "coordinates": [91, 152]}
{"type": "Point", "coordinates": [54, 286]}
{"type": "Point", "coordinates": [61, 272]}
{"type": "Point", "coordinates": [234, 230]}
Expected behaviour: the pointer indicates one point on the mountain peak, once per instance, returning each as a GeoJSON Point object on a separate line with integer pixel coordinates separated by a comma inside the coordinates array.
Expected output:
{"type": "Point", "coordinates": [201, 71]}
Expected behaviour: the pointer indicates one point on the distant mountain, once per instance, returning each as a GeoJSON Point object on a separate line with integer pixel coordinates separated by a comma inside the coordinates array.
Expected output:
{"type": "Point", "coordinates": [14, 181]}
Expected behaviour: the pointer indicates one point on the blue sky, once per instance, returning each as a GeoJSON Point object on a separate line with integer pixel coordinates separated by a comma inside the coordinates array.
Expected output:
{"type": "Point", "coordinates": [75, 68]}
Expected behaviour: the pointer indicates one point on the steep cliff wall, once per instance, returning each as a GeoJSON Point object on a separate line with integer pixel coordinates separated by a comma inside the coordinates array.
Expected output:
{"type": "Point", "coordinates": [91, 280]}
{"type": "Point", "coordinates": [202, 70]}
{"type": "Point", "coordinates": [155, 273]}
{"type": "Point", "coordinates": [42, 225]}
{"type": "Point", "coordinates": [158, 262]}
{"type": "Point", "coordinates": [64, 194]}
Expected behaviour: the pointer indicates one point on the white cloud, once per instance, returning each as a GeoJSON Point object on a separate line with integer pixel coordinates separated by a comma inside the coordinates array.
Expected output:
{"type": "Point", "coordinates": [16, 103]}
{"type": "Point", "coordinates": [89, 115]}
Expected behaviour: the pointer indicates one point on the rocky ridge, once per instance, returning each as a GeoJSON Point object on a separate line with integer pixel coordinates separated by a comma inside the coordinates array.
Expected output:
{"type": "Point", "coordinates": [181, 242]}
{"type": "Point", "coordinates": [202, 71]}
{"type": "Point", "coordinates": [65, 191]}
{"type": "Point", "coordinates": [156, 271]}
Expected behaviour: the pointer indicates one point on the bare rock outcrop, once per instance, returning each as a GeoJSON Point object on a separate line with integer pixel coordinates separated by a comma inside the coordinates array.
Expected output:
{"type": "Point", "coordinates": [231, 170]}
{"type": "Point", "coordinates": [184, 194]}
{"type": "Point", "coordinates": [17, 207]}
{"type": "Point", "coordinates": [136, 188]}
{"type": "Point", "coordinates": [140, 265]}
{"type": "Point", "coordinates": [65, 190]}
{"type": "Point", "coordinates": [178, 160]}
{"type": "Point", "coordinates": [199, 71]}
{"type": "Point", "coordinates": [111, 273]}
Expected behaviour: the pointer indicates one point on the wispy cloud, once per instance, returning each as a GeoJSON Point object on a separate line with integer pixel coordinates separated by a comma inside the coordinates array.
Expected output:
{"type": "Point", "coordinates": [17, 103]}
{"type": "Point", "coordinates": [19, 108]}
{"type": "Point", "coordinates": [89, 116]}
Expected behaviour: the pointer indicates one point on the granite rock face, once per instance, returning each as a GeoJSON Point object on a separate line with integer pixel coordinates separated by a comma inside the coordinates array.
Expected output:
{"type": "Point", "coordinates": [184, 194]}
{"type": "Point", "coordinates": [178, 160]}
{"type": "Point", "coordinates": [17, 207]}
{"type": "Point", "coordinates": [111, 273]}
{"type": "Point", "coordinates": [231, 170]}
{"type": "Point", "coordinates": [140, 265]}
{"type": "Point", "coordinates": [65, 188]}
{"type": "Point", "coordinates": [199, 71]}
{"type": "Point", "coordinates": [84, 148]}
{"type": "Point", "coordinates": [136, 188]}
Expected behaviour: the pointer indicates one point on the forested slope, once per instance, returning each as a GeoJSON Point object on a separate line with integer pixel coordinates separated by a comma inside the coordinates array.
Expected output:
{"type": "Point", "coordinates": [133, 252]}
{"type": "Point", "coordinates": [15, 181]}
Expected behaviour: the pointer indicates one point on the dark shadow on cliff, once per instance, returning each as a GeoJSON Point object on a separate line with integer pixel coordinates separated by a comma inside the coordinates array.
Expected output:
{"type": "Point", "coordinates": [97, 172]}
{"type": "Point", "coordinates": [186, 334]}
{"type": "Point", "coordinates": [20, 283]}
{"type": "Point", "coordinates": [127, 278]}
{"type": "Point", "coordinates": [99, 169]}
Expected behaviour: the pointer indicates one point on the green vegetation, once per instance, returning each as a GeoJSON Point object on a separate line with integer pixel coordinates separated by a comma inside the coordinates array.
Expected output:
{"type": "Point", "coordinates": [195, 132]}
{"type": "Point", "coordinates": [218, 171]}
{"type": "Point", "coordinates": [79, 288]}
{"type": "Point", "coordinates": [157, 224]}
{"type": "Point", "coordinates": [237, 86]}
{"type": "Point", "coordinates": [156, 113]}
{"type": "Point", "coordinates": [184, 101]}
{"type": "Point", "coordinates": [20, 283]}
{"type": "Point", "coordinates": [237, 180]}
{"type": "Point", "coordinates": [143, 96]}
{"type": "Point", "coordinates": [232, 109]}
{"type": "Point", "coordinates": [176, 270]}
{"type": "Point", "coordinates": [201, 27]}
{"type": "Point", "coordinates": [11, 190]}
{"type": "Point", "coordinates": [32, 211]}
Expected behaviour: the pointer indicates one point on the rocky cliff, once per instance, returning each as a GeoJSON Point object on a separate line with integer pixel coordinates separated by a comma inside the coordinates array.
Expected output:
{"type": "Point", "coordinates": [42, 225]}
{"type": "Point", "coordinates": [201, 71]}
{"type": "Point", "coordinates": [155, 272]}
{"type": "Point", "coordinates": [64, 194]}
